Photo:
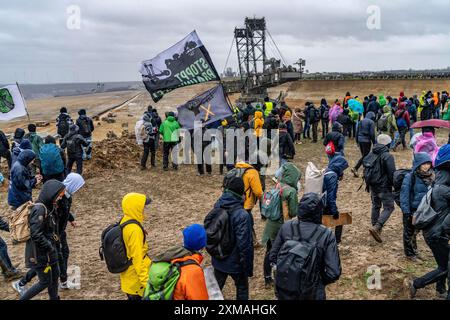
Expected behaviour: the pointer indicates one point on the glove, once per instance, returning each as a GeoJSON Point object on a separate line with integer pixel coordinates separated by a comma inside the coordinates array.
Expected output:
{"type": "Point", "coordinates": [336, 216]}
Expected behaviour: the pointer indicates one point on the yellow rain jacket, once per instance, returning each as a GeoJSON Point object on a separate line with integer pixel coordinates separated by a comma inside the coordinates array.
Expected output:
{"type": "Point", "coordinates": [269, 108]}
{"type": "Point", "coordinates": [134, 279]}
{"type": "Point", "coordinates": [252, 185]}
{"type": "Point", "coordinates": [259, 123]}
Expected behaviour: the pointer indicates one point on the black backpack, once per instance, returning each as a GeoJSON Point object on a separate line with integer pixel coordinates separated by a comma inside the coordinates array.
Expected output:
{"type": "Point", "coordinates": [298, 265]}
{"type": "Point", "coordinates": [85, 128]}
{"type": "Point", "coordinates": [373, 171]}
{"type": "Point", "coordinates": [235, 173]}
{"type": "Point", "coordinates": [220, 240]}
{"type": "Point", "coordinates": [113, 249]}
{"type": "Point", "coordinates": [399, 176]}
{"type": "Point", "coordinates": [63, 125]}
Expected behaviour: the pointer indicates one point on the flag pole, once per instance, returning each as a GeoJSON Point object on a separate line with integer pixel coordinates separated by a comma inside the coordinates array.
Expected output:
{"type": "Point", "coordinates": [23, 98]}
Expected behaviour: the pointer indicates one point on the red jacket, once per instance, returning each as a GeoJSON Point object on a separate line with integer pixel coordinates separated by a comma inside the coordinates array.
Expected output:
{"type": "Point", "coordinates": [402, 109]}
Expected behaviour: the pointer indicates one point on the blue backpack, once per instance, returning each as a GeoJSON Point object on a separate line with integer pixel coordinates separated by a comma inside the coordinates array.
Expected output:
{"type": "Point", "coordinates": [51, 161]}
{"type": "Point", "coordinates": [271, 204]}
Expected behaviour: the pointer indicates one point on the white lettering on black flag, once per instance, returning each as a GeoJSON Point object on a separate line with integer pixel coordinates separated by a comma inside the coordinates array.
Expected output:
{"type": "Point", "coordinates": [208, 107]}
{"type": "Point", "coordinates": [185, 63]}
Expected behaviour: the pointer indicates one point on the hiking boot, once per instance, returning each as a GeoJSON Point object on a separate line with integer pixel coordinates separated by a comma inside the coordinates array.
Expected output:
{"type": "Point", "coordinates": [268, 282]}
{"type": "Point", "coordinates": [143, 168]}
{"type": "Point", "coordinates": [64, 285]}
{"type": "Point", "coordinates": [412, 258]}
{"type": "Point", "coordinates": [376, 232]}
{"type": "Point", "coordinates": [20, 289]}
{"type": "Point", "coordinates": [166, 169]}
{"type": "Point", "coordinates": [355, 172]}
{"type": "Point", "coordinates": [175, 167]}
{"type": "Point", "coordinates": [412, 290]}
{"type": "Point", "coordinates": [12, 275]}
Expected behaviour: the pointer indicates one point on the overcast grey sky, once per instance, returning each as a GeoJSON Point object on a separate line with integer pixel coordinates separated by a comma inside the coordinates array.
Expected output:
{"type": "Point", "coordinates": [115, 36]}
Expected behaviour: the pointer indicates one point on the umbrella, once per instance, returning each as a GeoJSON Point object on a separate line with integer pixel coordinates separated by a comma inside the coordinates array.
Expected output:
{"type": "Point", "coordinates": [437, 123]}
{"type": "Point", "coordinates": [355, 106]}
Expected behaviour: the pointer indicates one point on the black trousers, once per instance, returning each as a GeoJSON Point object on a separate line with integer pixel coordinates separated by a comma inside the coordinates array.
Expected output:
{"type": "Point", "coordinates": [202, 162]}
{"type": "Point", "coordinates": [167, 147]}
{"type": "Point", "coordinates": [266, 266]}
{"type": "Point", "coordinates": [47, 281]}
{"type": "Point", "coordinates": [149, 147]}
{"type": "Point", "coordinates": [63, 256]}
{"type": "Point", "coordinates": [240, 281]}
{"type": "Point", "coordinates": [59, 177]}
{"type": "Point", "coordinates": [7, 155]}
{"type": "Point", "coordinates": [409, 237]}
{"type": "Point", "coordinates": [439, 248]}
{"type": "Point", "coordinates": [402, 137]}
{"type": "Point", "coordinates": [364, 147]}
{"type": "Point", "coordinates": [132, 297]}
{"type": "Point", "coordinates": [325, 124]}
{"type": "Point", "coordinates": [78, 161]}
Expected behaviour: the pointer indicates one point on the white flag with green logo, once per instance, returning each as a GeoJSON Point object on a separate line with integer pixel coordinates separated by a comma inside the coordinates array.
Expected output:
{"type": "Point", "coordinates": [12, 104]}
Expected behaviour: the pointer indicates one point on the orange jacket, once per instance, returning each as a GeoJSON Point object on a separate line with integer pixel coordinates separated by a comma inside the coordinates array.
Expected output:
{"type": "Point", "coordinates": [191, 285]}
{"type": "Point", "coordinates": [436, 99]}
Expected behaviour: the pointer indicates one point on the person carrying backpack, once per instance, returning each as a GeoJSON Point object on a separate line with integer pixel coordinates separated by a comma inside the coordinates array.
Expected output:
{"type": "Point", "coordinates": [134, 279]}
{"type": "Point", "coordinates": [63, 123]}
{"type": "Point", "coordinates": [288, 189]}
{"type": "Point", "coordinates": [5, 151]}
{"type": "Point", "coordinates": [437, 232]}
{"type": "Point", "coordinates": [300, 278]}
{"type": "Point", "coordinates": [22, 182]}
{"type": "Point", "coordinates": [297, 121]}
{"type": "Point", "coordinates": [346, 122]}
{"type": "Point", "coordinates": [308, 110]}
{"type": "Point", "coordinates": [414, 187]}
{"type": "Point", "coordinates": [387, 123]}
{"type": "Point", "coordinates": [324, 116]}
{"type": "Point", "coordinates": [74, 142]}
{"type": "Point", "coordinates": [333, 174]}
{"type": "Point", "coordinates": [86, 127]}
{"type": "Point", "coordinates": [41, 253]}
{"type": "Point", "coordinates": [36, 142]}
{"type": "Point", "coordinates": [379, 168]}
{"type": "Point", "coordinates": [9, 272]}
{"type": "Point", "coordinates": [189, 282]}
{"type": "Point", "coordinates": [150, 130]}
{"type": "Point", "coordinates": [365, 137]}
{"type": "Point", "coordinates": [53, 160]}
{"type": "Point", "coordinates": [314, 119]}
{"type": "Point", "coordinates": [286, 145]}
{"type": "Point", "coordinates": [412, 110]}
{"type": "Point", "coordinates": [170, 131]}
{"type": "Point", "coordinates": [25, 144]}
{"type": "Point", "coordinates": [238, 264]}
{"type": "Point", "coordinates": [403, 124]}
{"type": "Point", "coordinates": [73, 183]}
{"type": "Point", "coordinates": [336, 138]}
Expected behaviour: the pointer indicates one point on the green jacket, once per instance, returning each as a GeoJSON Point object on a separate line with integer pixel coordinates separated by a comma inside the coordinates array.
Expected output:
{"type": "Point", "coordinates": [169, 129]}
{"type": "Point", "coordinates": [289, 179]}
{"type": "Point", "coordinates": [36, 142]}
{"type": "Point", "coordinates": [391, 123]}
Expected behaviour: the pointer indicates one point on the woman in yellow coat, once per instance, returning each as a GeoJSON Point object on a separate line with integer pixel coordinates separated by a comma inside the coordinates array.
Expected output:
{"type": "Point", "coordinates": [134, 280]}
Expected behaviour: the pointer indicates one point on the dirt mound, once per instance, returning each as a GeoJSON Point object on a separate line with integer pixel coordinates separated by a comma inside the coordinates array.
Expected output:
{"type": "Point", "coordinates": [114, 153]}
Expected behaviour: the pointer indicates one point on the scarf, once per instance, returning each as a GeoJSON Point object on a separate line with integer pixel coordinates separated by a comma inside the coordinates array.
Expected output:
{"type": "Point", "coordinates": [427, 177]}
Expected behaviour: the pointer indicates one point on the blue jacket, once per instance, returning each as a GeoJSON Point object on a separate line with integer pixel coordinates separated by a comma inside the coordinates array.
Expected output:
{"type": "Point", "coordinates": [335, 170]}
{"type": "Point", "coordinates": [22, 182]}
{"type": "Point", "coordinates": [366, 129]}
{"type": "Point", "coordinates": [240, 261]}
{"type": "Point", "coordinates": [411, 195]}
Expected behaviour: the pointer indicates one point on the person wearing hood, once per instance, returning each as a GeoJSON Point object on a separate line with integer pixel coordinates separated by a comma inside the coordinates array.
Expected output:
{"type": "Point", "coordinates": [380, 185]}
{"type": "Point", "coordinates": [258, 123]}
{"type": "Point", "coordinates": [53, 160]}
{"type": "Point", "coordinates": [74, 142]}
{"type": "Point", "coordinates": [73, 183]}
{"type": "Point", "coordinates": [412, 110]}
{"type": "Point", "coordinates": [333, 174]}
{"type": "Point", "coordinates": [403, 124]}
{"type": "Point", "coordinates": [41, 253]}
{"type": "Point", "coordinates": [373, 106]}
{"type": "Point", "coordinates": [239, 264]}
{"type": "Point", "coordinates": [297, 121]}
{"type": "Point", "coordinates": [170, 132]}
{"type": "Point", "coordinates": [309, 108]}
{"type": "Point", "coordinates": [437, 234]}
{"type": "Point", "coordinates": [25, 144]}
{"type": "Point", "coordinates": [288, 183]}
{"type": "Point", "coordinates": [346, 122]}
{"type": "Point", "coordinates": [192, 284]}
{"type": "Point", "coordinates": [86, 127]}
{"type": "Point", "coordinates": [19, 133]}
{"type": "Point", "coordinates": [303, 229]}
{"type": "Point", "coordinates": [35, 139]}
{"type": "Point", "coordinates": [314, 119]}
{"type": "Point", "coordinates": [5, 151]}
{"type": "Point", "coordinates": [151, 128]}
{"type": "Point", "coordinates": [134, 280]}
{"type": "Point", "coordinates": [335, 111]}
{"type": "Point", "coordinates": [22, 182]}
{"type": "Point", "coordinates": [158, 121]}
{"type": "Point", "coordinates": [63, 123]}
{"type": "Point", "coordinates": [414, 187]}
{"type": "Point", "coordinates": [9, 272]}
{"type": "Point", "coordinates": [324, 116]}
{"type": "Point", "coordinates": [387, 123]}
{"type": "Point", "coordinates": [426, 142]}
{"type": "Point", "coordinates": [365, 137]}
{"type": "Point", "coordinates": [382, 101]}
{"type": "Point", "coordinates": [336, 137]}
{"type": "Point", "coordinates": [286, 145]}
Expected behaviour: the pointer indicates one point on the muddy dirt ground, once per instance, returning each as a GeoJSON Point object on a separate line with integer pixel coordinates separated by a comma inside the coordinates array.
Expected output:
{"type": "Point", "coordinates": [181, 198]}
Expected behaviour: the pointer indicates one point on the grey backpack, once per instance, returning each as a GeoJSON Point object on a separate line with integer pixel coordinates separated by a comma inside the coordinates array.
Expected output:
{"type": "Point", "coordinates": [425, 214]}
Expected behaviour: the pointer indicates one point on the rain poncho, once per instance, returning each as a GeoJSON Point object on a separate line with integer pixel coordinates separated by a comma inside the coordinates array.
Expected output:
{"type": "Point", "coordinates": [335, 111]}
{"type": "Point", "coordinates": [426, 142]}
